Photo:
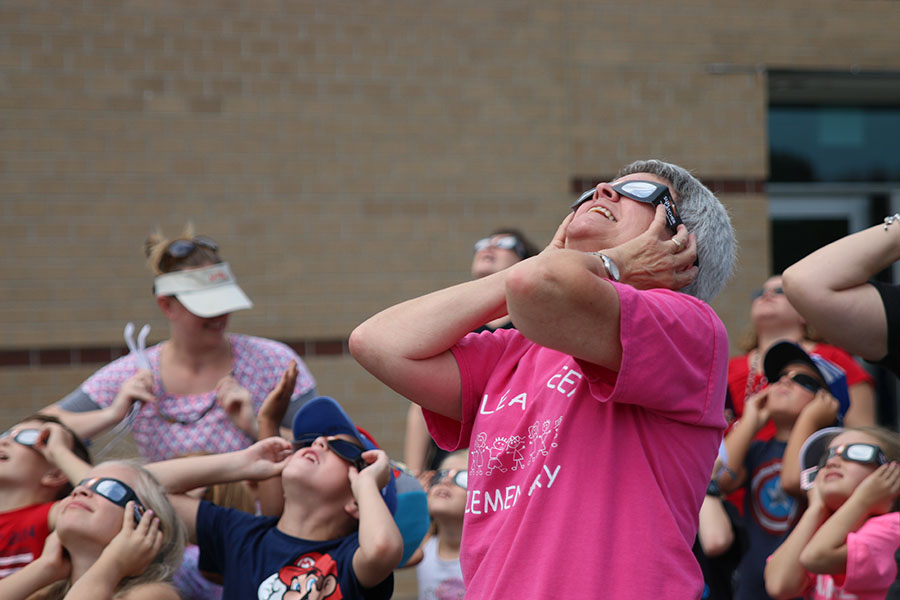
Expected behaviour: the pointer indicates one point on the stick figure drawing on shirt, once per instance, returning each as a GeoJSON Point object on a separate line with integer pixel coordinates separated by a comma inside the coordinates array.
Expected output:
{"type": "Point", "coordinates": [497, 451]}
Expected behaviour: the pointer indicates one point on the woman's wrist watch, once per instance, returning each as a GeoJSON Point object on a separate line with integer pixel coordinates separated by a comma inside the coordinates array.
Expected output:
{"type": "Point", "coordinates": [608, 264]}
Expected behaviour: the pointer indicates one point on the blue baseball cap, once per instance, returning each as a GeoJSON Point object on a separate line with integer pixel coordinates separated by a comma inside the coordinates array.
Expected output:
{"type": "Point", "coordinates": [783, 354]}
{"type": "Point", "coordinates": [323, 416]}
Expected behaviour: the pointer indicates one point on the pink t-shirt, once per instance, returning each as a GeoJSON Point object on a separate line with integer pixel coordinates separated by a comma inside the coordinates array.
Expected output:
{"type": "Point", "coordinates": [258, 365]}
{"type": "Point", "coordinates": [871, 568]}
{"type": "Point", "coordinates": [585, 483]}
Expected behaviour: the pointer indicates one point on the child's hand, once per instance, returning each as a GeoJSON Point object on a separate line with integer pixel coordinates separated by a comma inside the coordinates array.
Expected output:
{"type": "Point", "coordinates": [266, 458]}
{"type": "Point", "coordinates": [134, 547]}
{"type": "Point", "coordinates": [756, 408]}
{"type": "Point", "coordinates": [879, 490]}
{"type": "Point", "coordinates": [55, 558]}
{"type": "Point", "coordinates": [53, 438]}
{"type": "Point", "coordinates": [814, 498]}
{"type": "Point", "coordinates": [379, 470]}
{"type": "Point", "coordinates": [822, 409]}
{"type": "Point", "coordinates": [425, 479]}
{"type": "Point", "coordinates": [275, 406]}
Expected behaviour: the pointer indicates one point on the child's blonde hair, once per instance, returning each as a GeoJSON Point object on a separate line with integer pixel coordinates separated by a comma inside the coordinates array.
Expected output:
{"type": "Point", "coordinates": [171, 553]}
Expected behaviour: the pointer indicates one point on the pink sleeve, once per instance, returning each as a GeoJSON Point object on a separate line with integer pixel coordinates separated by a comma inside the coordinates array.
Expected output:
{"type": "Point", "coordinates": [476, 356]}
{"type": "Point", "coordinates": [674, 356]}
{"type": "Point", "coordinates": [870, 554]}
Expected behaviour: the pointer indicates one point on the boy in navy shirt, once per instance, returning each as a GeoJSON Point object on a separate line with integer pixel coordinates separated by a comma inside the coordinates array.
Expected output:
{"type": "Point", "coordinates": [336, 537]}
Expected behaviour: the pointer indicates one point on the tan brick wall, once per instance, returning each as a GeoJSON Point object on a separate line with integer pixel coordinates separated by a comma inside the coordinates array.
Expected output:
{"type": "Point", "coordinates": [346, 156]}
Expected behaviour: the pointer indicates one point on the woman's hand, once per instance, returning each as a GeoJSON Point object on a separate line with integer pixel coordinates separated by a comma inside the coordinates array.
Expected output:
{"type": "Point", "coordinates": [275, 406]}
{"type": "Point", "coordinates": [559, 238]}
{"type": "Point", "coordinates": [237, 403]}
{"type": "Point", "coordinates": [134, 547]}
{"type": "Point", "coordinates": [656, 258]}
{"type": "Point", "coordinates": [137, 388]}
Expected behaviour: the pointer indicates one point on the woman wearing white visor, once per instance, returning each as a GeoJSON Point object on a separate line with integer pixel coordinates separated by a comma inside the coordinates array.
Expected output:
{"type": "Point", "coordinates": [204, 386]}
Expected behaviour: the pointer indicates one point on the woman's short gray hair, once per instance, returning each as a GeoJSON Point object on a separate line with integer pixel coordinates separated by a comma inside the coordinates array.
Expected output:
{"type": "Point", "coordinates": [705, 217]}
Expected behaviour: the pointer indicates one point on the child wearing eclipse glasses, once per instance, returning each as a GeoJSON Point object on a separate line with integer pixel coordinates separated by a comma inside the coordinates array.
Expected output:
{"type": "Point", "coordinates": [845, 541]}
{"type": "Point", "coordinates": [438, 569]}
{"type": "Point", "coordinates": [805, 393]}
{"type": "Point", "coordinates": [40, 458]}
{"type": "Point", "coordinates": [337, 533]}
{"type": "Point", "coordinates": [116, 536]}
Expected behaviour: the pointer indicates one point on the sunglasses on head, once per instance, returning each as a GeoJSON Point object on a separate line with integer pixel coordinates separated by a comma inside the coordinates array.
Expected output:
{"type": "Point", "coordinates": [807, 382]}
{"type": "Point", "coordinates": [460, 478]}
{"type": "Point", "coordinates": [506, 242]}
{"type": "Point", "coordinates": [179, 249]}
{"type": "Point", "coordinates": [350, 452]}
{"type": "Point", "coordinates": [642, 191]}
{"type": "Point", "coordinates": [860, 453]}
{"type": "Point", "coordinates": [26, 437]}
{"type": "Point", "coordinates": [759, 293]}
{"type": "Point", "coordinates": [116, 492]}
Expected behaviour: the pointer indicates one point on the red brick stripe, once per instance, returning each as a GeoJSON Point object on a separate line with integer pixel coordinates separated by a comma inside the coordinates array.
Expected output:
{"type": "Point", "coordinates": [100, 355]}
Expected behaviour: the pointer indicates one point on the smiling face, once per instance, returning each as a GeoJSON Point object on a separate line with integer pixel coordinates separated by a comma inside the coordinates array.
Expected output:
{"type": "Point", "coordinates": [610, 219]}
{"type": "Point", "coordinates": [839, 477]}
{"type": "Point", "coordinates": [86, 517]}
{"type": "Point", "coordinates": [202, 331]}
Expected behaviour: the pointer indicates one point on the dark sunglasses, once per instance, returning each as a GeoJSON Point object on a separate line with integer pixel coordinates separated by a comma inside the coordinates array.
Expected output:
{"type": "Point", "coordinates": [460, 478]}
{"type": "Point", "coordinates": [860, 453]}
{"type": "Point", "coordinates": [116, 492]}
{"type": "Point", "coordinates": [507, 242]}
{"type": "Point", "coordinates": [759, 293]}
{"type": "Point", "coordinates": [642, 191]}
{"type": "Point", "coordinates": [350, 452]}
{"type": "Point", "coordinates": [807, 382]}
{"type": "Point", "coordinates": [26, 437]}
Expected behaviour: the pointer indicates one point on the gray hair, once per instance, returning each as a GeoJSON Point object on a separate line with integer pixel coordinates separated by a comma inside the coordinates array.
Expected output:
{"type": "Point", "coordinates": [705, 217]}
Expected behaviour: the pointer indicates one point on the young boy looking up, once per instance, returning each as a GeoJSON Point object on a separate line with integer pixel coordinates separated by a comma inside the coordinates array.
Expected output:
{"type": "Point", "coordinates": [336, 534]}
{"type": "Point", "coordinates": [799, 384]}
{"type": "Point", "coordinates": [35, 457]}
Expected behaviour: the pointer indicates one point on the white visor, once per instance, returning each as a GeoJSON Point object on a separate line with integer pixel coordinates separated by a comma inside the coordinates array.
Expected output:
{"type": "Point", "coordinates": [207, 292]}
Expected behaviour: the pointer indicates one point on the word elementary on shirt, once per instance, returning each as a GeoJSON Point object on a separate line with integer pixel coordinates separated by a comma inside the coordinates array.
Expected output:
{"type": "Point", "coordinates": [500, 499]}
